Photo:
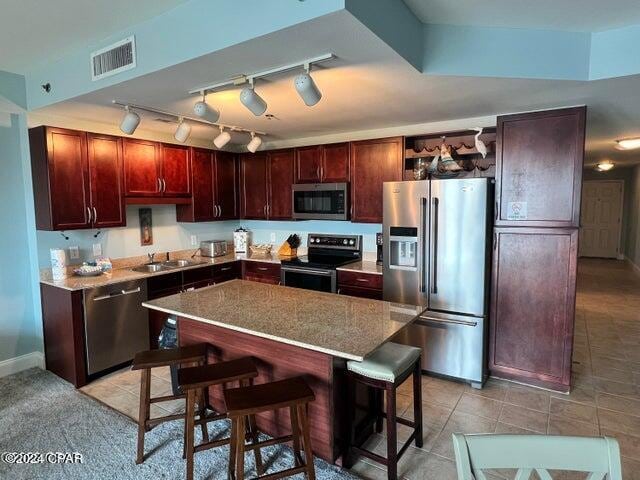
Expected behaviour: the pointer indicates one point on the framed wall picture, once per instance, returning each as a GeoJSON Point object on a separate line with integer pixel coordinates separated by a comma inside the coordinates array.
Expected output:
{"type": "Point", "coordinates": [146, 226]}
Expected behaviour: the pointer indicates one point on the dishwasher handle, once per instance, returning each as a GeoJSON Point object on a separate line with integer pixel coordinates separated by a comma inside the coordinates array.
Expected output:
{"type": "Point", "coordinates": [424, 320]}
{"type": "Point", "coordinates": [117, 294]}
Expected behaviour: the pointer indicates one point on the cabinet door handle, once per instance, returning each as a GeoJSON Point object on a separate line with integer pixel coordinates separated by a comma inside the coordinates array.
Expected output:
{"type": "Point", "coordinates": [224, 269]}
{"type": "Point", "coordinates": [263, 269]}
{"type": "Point", "coordinates": [164, 186]}
{"type": "Point", "coordinates": [219, 210]}
{"type": "Point", "coordinates": [362, 280]}
{"type": "Point", "coordinates": [88, 216]}
{"type": "Point", "coordinates": [321, 174]}
{"type": "Point", "coordinates": [95, 215]}
{"type": "Point", "coordinates": [318, 172]}
{"type": "Point", "coordinates": [159, 185]}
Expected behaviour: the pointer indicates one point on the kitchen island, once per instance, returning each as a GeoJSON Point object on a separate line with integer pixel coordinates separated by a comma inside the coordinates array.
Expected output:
{"type": "Point", "coordinates": [289, 332]}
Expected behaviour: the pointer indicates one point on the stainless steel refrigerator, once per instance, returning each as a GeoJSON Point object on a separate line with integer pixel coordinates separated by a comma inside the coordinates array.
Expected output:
{"type": "Point", "coordinates": [436, 241]}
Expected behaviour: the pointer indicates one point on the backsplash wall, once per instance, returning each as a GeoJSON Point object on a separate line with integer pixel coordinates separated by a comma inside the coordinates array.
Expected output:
{"type": "Point", "coordinates": [168, 235]}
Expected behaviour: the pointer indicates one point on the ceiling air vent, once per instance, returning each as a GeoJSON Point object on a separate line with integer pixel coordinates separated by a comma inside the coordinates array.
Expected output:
{"type": "Point", "coordinates": [113, 59]}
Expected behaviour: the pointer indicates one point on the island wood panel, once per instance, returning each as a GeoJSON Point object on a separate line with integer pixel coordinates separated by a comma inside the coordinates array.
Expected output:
{"type": "Point", "coordinates": [275, 361]}
{"type": "Point", "coordinates": [533, 305]}
{"type": "Point", "coordinates": [63, 329]}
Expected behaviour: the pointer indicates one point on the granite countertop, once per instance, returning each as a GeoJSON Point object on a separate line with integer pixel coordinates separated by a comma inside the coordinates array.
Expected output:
{"type": "Point", "coordinates": [364, 266]}
{"type": "Point", "coordinates": [342, 326]}
{"type": "Point", "coordinates": [125, 273]}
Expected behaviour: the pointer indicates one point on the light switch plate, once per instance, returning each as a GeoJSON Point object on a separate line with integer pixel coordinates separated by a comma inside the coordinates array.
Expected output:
{"type": "Point", "coordinates": [74, 252]}
{"type": "Point", "coordinates": [97, 249]}
{"type": "Point", "coordinates": [273, 237]}
{"type": "Point", "coordinates": [194, 240]}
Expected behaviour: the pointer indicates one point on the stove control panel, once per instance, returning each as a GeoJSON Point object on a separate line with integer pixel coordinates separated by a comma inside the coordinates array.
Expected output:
{"type": "Point", "coordinates": [340, 242]}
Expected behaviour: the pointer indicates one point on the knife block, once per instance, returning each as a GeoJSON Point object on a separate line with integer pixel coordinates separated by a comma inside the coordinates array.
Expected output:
{"type": "Point", "coordinates": [285, 250]}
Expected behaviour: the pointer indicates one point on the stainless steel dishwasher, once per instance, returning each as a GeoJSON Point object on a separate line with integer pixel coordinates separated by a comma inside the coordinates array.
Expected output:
{"type": "Point", "coordinates": [116, 324]}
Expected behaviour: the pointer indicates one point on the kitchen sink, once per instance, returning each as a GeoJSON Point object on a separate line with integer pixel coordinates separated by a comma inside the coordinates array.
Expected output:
{"type": "Point", "coordinates": [166, 265]}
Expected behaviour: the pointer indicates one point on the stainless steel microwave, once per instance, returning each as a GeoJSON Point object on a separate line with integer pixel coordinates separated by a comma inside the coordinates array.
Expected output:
{"type": "Point", "coordinates": [320, 201]}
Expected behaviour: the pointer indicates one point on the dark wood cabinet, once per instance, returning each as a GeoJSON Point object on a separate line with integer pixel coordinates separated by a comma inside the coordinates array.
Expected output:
{"type": "Point", "coordinates": [176, 178]}
{"type": "Point", "coordinates": [360, 284]}
{"type": "Point", "coordinates": [77, 179]}
{"type": "Point", "coordinates": [105, 181]}
{"type": "Point", "coordinates": [373, 162]}
{"type": "Point", "coordinates": [265, 185]}
{"type": "Point", "coordinates": [253, 186]}
{"type": "Point", "coordinates": [280, 180]}
{"type": "Point", "coordinates": [322, 163]}
{"type": "Point", "coordinates": [533, 305]}
{"type": "Point", "coordinates": [263, 272]}
{"type": "Point", "coordinates": [142, 168]}
{"type": "Point", "coordinates": [214, 180]}
{"type": "Point", "coordinates": [539, 159]}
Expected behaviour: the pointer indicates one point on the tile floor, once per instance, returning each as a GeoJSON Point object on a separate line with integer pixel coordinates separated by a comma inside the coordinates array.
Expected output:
{"type": "Point", "coordinates": [605, 399]}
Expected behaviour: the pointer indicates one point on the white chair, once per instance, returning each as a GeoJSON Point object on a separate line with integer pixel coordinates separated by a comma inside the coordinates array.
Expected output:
{"type": "Point", "coordinates": [599, 456]}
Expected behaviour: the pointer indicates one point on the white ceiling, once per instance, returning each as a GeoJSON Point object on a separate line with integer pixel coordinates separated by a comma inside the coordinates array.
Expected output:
{"type": "Point", "coordinates": [569, 15]}
{"type": "Point", "coordinates": [37, 31]}
{"type": "Point", "coordinates": [369, 86]}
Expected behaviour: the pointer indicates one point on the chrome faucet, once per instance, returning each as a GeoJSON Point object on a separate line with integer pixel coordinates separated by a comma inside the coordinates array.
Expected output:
{"type": "Point", "coordinates": [150, 257]}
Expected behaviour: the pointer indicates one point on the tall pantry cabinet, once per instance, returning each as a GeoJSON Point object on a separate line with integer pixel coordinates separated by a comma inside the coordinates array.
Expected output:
{"type": "Point", "coordinates": [539, 159]}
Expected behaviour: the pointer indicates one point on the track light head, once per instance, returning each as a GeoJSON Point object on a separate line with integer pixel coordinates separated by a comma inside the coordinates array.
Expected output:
{"type": "Point", "coordinates": [253, 101]}
{"type": "Point", "coordinates": [183, 131]}
{"type": "Point", "coordinates": [254, 144]}
{"type": "Point", "coordinates": [130, 121]}
{"type": "Point", "coordinates": [222, 139]}
{"type": "Point", "coordinates": [307, 89]}
{"type": "Point", "coordinates": [206, 111]}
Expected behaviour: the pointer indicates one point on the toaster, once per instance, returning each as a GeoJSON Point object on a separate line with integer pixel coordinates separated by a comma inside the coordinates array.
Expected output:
{"type": "Point", "coordinates": [213, 248]}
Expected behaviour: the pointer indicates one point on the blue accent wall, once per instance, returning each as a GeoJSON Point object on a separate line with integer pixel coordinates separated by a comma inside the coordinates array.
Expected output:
{"type": "Point", "coordinates": [20, 318]}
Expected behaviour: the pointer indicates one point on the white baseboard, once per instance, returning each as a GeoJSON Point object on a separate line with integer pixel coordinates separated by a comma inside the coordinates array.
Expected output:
{"type": "Point", "coordinates": [23, 362]}
{"type": "Point", "coordinates": [636, 268]}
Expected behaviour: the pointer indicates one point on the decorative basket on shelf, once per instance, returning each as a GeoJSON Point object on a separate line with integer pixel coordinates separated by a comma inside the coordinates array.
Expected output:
{"type": "Point", "coordinates": [261, 249]}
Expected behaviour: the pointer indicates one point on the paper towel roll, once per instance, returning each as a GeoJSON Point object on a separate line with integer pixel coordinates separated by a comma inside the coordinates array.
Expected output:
{"type": "Point", "coordinates": [58, 263]}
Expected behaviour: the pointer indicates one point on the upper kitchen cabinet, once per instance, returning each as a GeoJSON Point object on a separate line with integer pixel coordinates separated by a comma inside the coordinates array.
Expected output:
{"type": "Point", "coordinates": [265, 185]}
{"type": "Point", "coordinates": [253, 186]}
{"type": "Point", "coordinates": [176, 180]}
{"type": "Point", "coordinates": [142, 168]}
{"type": "Point", "coordinates": [533, 305]}
{"type": "Point", "coordinates": [77, 179]}
{"type": "Point", "coordinates": [105, 180]}
{"type": "Point", "coordinates": [280, 180]}
{"type": "Point", "coordinates": [156, 170]}
{"type": "Point", "coordinates": [539, 159]}
{"type": "Point", "coordinates": [373, 162]}
{"type": "Point", "coordinates": [214, 180]}
{"type": "Point", "coordinates": [322, 163]}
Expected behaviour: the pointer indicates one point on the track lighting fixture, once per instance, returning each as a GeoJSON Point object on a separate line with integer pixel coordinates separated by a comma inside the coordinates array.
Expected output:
{"type": "Point", "coordinates": [254, 144]}
{"type": "Point", "coordinates": [252, 100]}
{"type": "Point", "coordinates": [222, 139]}
{"type": "Point", "coordinates": [206, 111]}
{"type": "Point", "coordinates": [130, 121]}
{"type": "Point", "coordinates": [183, 131]}
{"type": "Point", "coordinates": [307, 88]}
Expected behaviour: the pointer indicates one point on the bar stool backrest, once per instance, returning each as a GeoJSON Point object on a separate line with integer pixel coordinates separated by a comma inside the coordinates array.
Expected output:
{"type": "Point", "coordinates": [599, 456]}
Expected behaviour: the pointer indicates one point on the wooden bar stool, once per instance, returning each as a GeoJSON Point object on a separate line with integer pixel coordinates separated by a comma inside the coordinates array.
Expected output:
{"type": "Point", "coordinates": [241, 403]}
{"type": "Point", "coordinates": [386, 369]}
{"type": "Point", "coordinates": [193, 380]}
{"type": "Point", "coordinates": [145, 361]}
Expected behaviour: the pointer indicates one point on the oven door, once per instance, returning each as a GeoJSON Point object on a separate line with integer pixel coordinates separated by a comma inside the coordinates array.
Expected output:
{"type": "Point", "coordinates": [320, 201]}
{"type": "Point", "coordinates": [309, 278]}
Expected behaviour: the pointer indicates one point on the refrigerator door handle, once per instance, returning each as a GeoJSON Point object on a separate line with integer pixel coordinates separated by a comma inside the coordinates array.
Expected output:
{"type": "Point", "coordinates": [423, 241]}
{"type": "Point", "coordinates": [428, 320]}
{"type": "Point", "coordinates": [434, 251]}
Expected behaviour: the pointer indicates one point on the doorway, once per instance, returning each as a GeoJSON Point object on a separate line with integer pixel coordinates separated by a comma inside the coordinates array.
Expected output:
{"type": "Point", "coordinates": [601, 218]}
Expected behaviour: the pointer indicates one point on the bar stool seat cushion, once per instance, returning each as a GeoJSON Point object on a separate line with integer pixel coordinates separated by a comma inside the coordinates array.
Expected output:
{"type": "Point", "coordinates": [387, 362]}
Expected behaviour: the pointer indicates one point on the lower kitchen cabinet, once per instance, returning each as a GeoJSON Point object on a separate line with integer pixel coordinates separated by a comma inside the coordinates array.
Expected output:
{"type": "Point", "coordinates": [360, 284]}
{"type": "Point", "coordinates": [263, 272]}
{"type": "Point", "coordinates": [533, 305]}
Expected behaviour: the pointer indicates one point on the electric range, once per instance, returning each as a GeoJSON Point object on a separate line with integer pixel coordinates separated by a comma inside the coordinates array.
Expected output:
{"type": "Point", "coordinates": [317, 269]}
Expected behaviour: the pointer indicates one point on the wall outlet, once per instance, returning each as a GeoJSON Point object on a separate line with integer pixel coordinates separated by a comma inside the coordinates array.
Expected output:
{"type": "Point", "coordinates": [272, 238]}
{"type": "Point", "coordinates": [194, 240]}
{"type": "Point", "coordinates": [74, 252]}
{"type": "Point", "coordinates": [97, 249]}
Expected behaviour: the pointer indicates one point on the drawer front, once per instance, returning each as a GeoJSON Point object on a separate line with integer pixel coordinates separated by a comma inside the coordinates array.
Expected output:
{"type": "Point", "coordinates": [374, 294]}
{"type": "Point", "coordinates": [362, 280]}
{"type": "Point", "coordinates": [197, 275]}
{"type": "Point", "coordinates": [262, 269]}
{"type": "Point", "coordinates": [226, 271]}
{"type": "Point", "coordinates": [161, 283]}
